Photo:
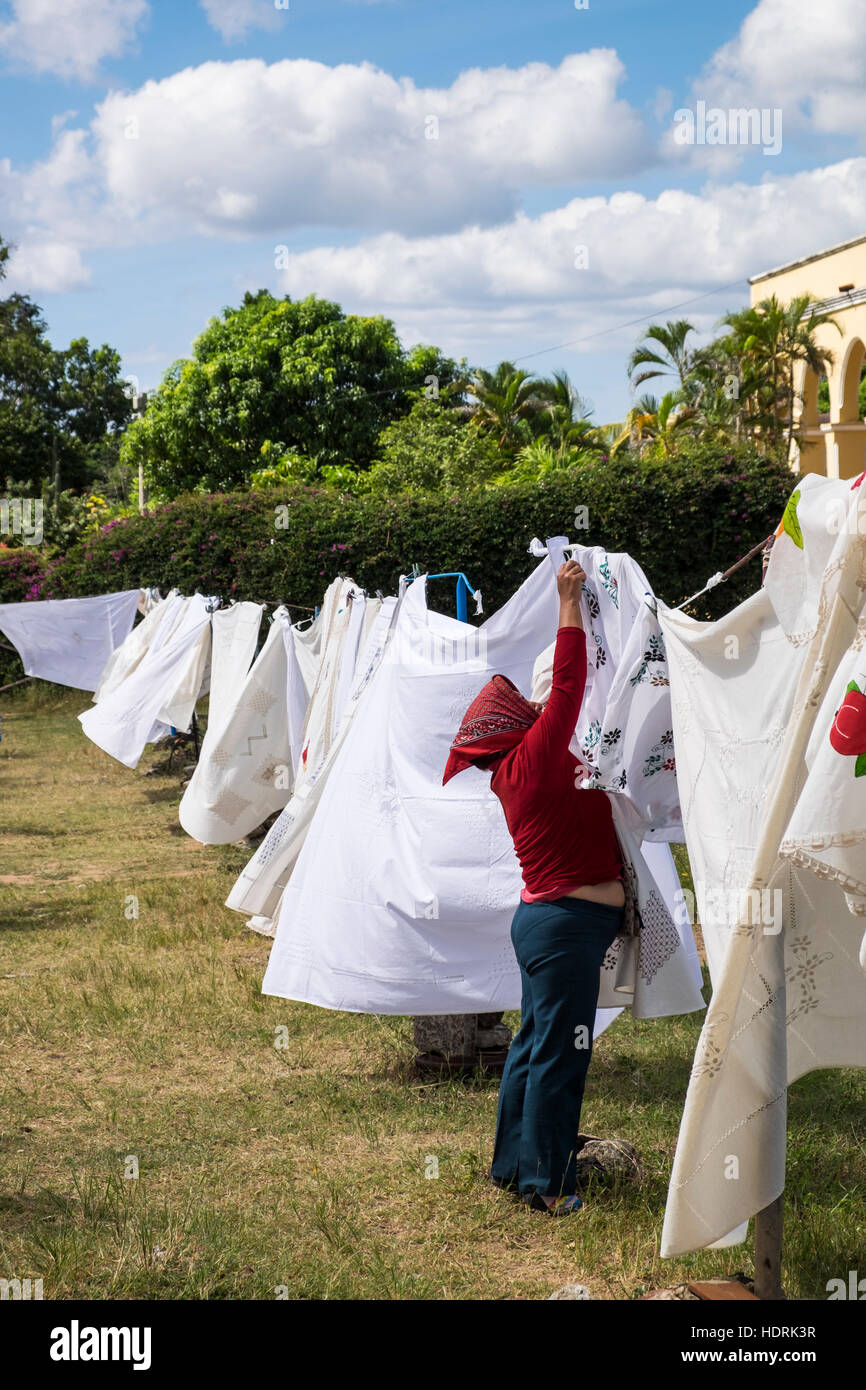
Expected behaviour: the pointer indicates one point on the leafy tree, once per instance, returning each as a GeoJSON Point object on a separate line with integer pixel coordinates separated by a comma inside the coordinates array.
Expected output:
{"type": "Point", "coordinates": [29, 385]}
{"type": "Point", "coordinates": [277, 379]}
{"type": "Point", "coordinates": [541, 457]}
{"type": "Point", "coordinates": [802, 350]}
{"type": "Point", "coordinates": [61, 412]}
{"type": "Point", "coordinates": [564, 418]}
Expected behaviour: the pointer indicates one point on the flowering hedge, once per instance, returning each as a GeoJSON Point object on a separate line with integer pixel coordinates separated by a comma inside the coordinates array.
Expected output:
{"type": "Point", "coordinates": [22, 571]}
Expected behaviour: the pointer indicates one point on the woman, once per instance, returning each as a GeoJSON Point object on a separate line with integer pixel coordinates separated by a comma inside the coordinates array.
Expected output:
{"type": "Point", "coordinates": [571, 908]}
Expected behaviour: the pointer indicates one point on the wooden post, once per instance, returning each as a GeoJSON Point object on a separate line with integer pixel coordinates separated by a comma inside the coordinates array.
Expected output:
{"type": "Point", "coordinates": [768, 1251]}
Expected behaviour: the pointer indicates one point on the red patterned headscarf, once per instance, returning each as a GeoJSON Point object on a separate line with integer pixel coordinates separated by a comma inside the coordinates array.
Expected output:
{"type": "Point", "coordinates": [494, 723]}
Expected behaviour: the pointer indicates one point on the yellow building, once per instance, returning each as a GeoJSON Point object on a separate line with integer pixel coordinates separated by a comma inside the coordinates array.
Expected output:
{"type": "Point", "coordinates": [833, 444]}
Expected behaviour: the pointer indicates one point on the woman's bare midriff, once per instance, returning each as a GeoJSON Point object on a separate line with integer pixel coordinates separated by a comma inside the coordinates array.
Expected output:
{"type": "Point", "coordinates": [610, 892]}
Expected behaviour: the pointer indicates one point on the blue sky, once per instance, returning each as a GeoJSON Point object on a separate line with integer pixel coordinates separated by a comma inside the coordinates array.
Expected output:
{"type": "Point", "coordinates": [500, 179]}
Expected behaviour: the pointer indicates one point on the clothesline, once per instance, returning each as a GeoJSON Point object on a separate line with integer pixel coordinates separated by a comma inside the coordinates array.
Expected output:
{"type": "Point", "coordinates": [285, 603]}
{"type": "Point", "coordinates": [535, 548]}
{"type": "Point", "coordinates": [264, 603]}
{"type": "Point", "coordinates": [721, 576]}
{"type": "Point", "coordinates": [539, 550]}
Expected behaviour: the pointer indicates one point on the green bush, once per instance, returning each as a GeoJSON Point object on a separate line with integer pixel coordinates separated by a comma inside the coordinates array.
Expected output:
{"type": "Point", "coordinates": [431, 449]}
{"type": "Point", "coordinates": [682, 519]}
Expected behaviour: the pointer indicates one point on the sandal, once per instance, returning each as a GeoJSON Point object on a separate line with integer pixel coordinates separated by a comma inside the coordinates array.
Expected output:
{"type": "Point", "coordinates": [562, 1206]}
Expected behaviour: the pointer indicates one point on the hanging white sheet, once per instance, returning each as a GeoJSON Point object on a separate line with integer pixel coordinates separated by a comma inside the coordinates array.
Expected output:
{"type": "Point", "coordinates": [775, 839]}
{"type": "Point", "coordinates": [131, 652]}
{"type": "Point", "coordinates": [235, 638]}
{"type": "Point", "coordinates": [69, 640]}
{"type": "Point", "coordinates": [342, 613]}
{"type": "Point", "coordinates": [308, 645]}
{"type": "Point", "coordinates": [244, 772]}
{"type": "Point", "coordinates": [258, 891]}
{"type": "Point", "coordinates": [161, 690]}
{"type": "Point", "coordinates": [297, 697]}
{"type": "Point", "coordinates": [148, 599]}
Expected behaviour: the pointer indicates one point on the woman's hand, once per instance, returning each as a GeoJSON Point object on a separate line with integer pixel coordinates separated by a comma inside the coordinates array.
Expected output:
{"type": "Point", "coordinates": [569, 582]}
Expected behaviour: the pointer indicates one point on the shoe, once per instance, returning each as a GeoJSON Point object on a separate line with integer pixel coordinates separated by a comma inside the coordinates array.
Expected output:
{"type": "Point", "coordinates": [563, 1206]}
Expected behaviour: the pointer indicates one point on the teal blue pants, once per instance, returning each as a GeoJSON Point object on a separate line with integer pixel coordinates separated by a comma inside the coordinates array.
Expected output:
{"type": "Point", "coordinates": [560, 947]}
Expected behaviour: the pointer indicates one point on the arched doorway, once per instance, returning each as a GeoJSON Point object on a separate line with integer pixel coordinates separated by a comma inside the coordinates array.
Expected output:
{"type": "Point", "coordinates": [847, 424]}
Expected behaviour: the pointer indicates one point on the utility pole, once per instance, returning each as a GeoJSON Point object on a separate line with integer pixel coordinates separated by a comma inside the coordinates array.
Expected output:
{"type": "Point", "coordinates": [139, 405]}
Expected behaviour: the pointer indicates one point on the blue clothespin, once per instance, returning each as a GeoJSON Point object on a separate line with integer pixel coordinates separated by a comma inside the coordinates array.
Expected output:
{"type": "Point", "coordinates": [463, 588]}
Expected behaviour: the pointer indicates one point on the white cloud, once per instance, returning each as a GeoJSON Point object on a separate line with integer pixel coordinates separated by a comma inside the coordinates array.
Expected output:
{"type": "Point", "coordinates": [244, 149]}
{"type": "Point", "coordinates": [59, 192]}
{"type": "Point", "coordinates": [68, 40]}
{"type": "Point", "coordinates": [809, 60]}
{"type": "Point", "coordinates": [645, 254]}
{"type": "Point", "coordinates": [232, 18]}
{"type": "Point", "coordinates": [44, 266]}
{"type": "Point", "coordinates": [241, 149]}
{"type": "Point", "coordinates": [248, 147]}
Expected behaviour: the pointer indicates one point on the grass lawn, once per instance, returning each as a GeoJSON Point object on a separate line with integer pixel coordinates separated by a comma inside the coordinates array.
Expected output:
{"type": "Point", "coordinates": [144, 1045]}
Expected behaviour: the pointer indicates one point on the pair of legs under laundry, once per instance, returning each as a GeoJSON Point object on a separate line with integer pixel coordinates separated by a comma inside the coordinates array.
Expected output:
{"type": "Point", "coordinates": [560, 947]}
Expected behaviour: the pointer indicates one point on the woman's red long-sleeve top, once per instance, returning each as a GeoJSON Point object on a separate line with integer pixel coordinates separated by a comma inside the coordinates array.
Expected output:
{"type": "Point", "coordinates": [563, 835]}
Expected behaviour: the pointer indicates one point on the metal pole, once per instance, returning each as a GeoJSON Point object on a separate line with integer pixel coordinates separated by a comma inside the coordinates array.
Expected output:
{"type": "Point", "coordinates": [462, 613]}
{"type": "Point", "coordinates": [768, 1251]}
{"type": "Point", "coordinates": [140, 486]}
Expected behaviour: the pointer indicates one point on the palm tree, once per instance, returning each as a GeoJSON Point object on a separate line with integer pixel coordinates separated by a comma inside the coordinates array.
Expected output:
{"type": "Point", "coordinates": [674, 358]}
{"type": "Point", "coordinates": [565, 416]}
{"type": "Point", "coordinates": [655, 423]}
{"type": "Point", "coordinates": [769, 339]}
{"type": "Point", "coordinates": [756, 339]}
{"type": "Point", "coordinates": [724, 391]}
{"type": "Point", "coordinates": [638, 425]}
{"type": "Point", "coordinates": [507, 401]}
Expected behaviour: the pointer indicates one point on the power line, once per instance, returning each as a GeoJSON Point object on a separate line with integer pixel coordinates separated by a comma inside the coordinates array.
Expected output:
{"type": "Point", "coordinates": [628, 323]}
{"type": "Point", "coordinates": [587, 337]}
{"type": "Point", "coordinates": [352, 394]}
